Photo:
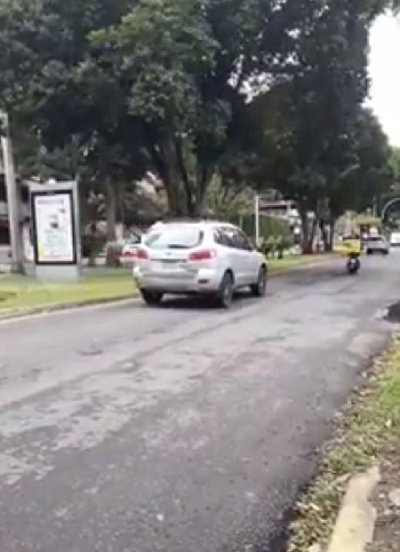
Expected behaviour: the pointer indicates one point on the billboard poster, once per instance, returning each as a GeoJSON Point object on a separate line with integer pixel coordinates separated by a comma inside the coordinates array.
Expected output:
{"type": "Point", "coordinates": [54, 228]}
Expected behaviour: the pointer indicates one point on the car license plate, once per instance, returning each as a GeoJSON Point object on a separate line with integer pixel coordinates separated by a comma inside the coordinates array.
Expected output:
{"type": "Point", "coordinates": [166, 265]}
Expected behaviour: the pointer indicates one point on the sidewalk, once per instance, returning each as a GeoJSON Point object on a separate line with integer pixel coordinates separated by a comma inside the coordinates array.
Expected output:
{"type": "Point", "coordinates": [386, 500]}
{"type": "Point", "coordinates": [367, 436]}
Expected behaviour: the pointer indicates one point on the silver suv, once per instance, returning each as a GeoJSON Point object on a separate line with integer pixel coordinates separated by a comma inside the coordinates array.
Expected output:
{"type": "Point", "coordinates": [376, 244]}
{"type": "Point", "coordinates": [206, 258]}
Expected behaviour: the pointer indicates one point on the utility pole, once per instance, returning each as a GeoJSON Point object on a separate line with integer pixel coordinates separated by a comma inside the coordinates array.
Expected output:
{"type": "Point", "coordinates": [12, 196]}
{"type": "Point", "coordinates": [257, 218]}
{"type": "Point", "coordinates": [375, 207]}
{"type": "Point", "coordinates": [348, 223]}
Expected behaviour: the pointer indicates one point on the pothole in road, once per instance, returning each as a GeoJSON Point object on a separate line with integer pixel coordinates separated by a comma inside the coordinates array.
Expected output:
{"type": "Point", "coordinates": [130, 367]}
{"type": "Point", "coordinates": [393, 313]}
{"type": "Point", "coordinates": [91, 351]}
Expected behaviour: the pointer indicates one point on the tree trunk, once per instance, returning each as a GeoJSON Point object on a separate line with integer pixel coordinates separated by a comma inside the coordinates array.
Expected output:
{"type": "Point", "coordinates": [92, 258]}
{"type": "Point", "coordinates": [307, 232]}
{"type": "Point", "coordinates": [111, 209]}
{"type": "Point", "coordinates": [183, 199]}
{"type": "Point", "coordinates": [176, 205]}
{"type": "Point", "coordinates": [185, 190]}
{"type": "Point", "coordinates": [172, 178]}
{"type": "Point", "coordinates": [332, 224]}
{"type": "Point", "coordinates": [194, 202]}
{"type": "Point", "coordinates": [325, 235]}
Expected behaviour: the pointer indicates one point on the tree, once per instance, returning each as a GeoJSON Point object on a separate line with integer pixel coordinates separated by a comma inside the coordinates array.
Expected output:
{"type": "Point", "coordinates": [308, 139]}
{"type": "Point", "coordinates": [228, 202]}
{"type": "Point", "coordinates": [164, 46]}
{"type": "Point", "coordinates": [116, 87]}
{"type": "Point", "coordinates": [186, 62]}
{"type": "Point", "coordinates": [359, 187]}
{"type": "Point", "coordinates": [51, 87]}
{"type": "Point", "coordinates": [174, 70]}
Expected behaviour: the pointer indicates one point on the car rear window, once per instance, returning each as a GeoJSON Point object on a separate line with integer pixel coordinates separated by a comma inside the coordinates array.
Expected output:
{"type": "Point", "coordinates": [132, 240]}
{"type": "Point", "coordinates": [375, 238]}
{"type": "Point", "coordinates": [175, 237]}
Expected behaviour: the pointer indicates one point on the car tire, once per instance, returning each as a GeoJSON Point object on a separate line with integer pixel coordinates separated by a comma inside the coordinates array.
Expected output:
{"type": "Point", "coordinates": [151, 298]}
{"type": "Point", "coordinates": [369, 252]}
{"type": "Point", "coordinates": [225, 292]}
{"type": "Point", "coordinates": [259, 289]}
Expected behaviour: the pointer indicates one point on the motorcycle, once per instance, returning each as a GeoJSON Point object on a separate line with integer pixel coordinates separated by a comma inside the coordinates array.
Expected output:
{"type": "Point", "coordinates": [353, 264]}
{"type": "Point", "coordinates": [350, 247]}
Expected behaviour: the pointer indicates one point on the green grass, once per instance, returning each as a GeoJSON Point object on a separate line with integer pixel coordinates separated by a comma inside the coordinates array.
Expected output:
{"type": "Point", "coordinates": [294, 261]}
{"type": "Point", "coordinates": [19, 292]}
{"type": "Point", "coordinates": [369, 428]}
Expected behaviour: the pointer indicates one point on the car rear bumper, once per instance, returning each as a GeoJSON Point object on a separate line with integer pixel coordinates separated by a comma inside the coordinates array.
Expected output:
{"type": "Point", "coordinates": [375, 249]}
{"type": "Point", "coordinates": [203, 281]}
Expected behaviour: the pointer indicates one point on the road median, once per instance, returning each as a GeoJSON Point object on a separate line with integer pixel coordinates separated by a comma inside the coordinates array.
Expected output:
{"type": "Point", "coordinates": [339, 511]}
{"type": "Point", "coordinates": [298, 262]}
{"type": "Point", "coordinates": [22, 296]}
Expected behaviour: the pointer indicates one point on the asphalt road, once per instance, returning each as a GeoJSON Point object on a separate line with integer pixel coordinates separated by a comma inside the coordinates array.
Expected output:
{"type": "Point", "coordinates": [179, 429]}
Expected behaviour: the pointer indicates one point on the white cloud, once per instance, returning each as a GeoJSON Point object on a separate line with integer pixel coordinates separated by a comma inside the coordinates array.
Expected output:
{"type": "Point", "coordinates": [385, 75]}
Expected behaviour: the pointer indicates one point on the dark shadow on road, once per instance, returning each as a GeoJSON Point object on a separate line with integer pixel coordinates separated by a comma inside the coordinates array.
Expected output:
{"type": "Point", "coordinates": [199, 303]}
{"type": "Point", "coordinates": [393, 313]}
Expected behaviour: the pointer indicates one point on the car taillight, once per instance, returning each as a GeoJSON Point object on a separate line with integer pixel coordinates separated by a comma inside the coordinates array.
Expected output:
{"type": "Point", "coordinates": [202, 255]}
{"type": "Point", "coordinates": [140, 254]}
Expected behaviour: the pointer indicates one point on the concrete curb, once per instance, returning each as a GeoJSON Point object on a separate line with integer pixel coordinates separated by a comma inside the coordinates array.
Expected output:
{"type": "Point", "coordinates": [355, 523]}
{"type": "Point", "coordinates": [58, 307]}
{"type": "Point", "coordinates": [46, 309]}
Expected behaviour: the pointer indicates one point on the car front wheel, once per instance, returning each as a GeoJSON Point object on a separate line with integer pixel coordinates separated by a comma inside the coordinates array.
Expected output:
{"type": "Point", "coordinates": [151, 298]}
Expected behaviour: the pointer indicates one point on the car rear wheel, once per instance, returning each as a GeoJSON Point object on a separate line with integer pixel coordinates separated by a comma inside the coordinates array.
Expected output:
{"type": "Point", "coordinates": [151, 298]}
{"type": "Point", "coordinates": [225, 292]}
{"type": "Point", "coordinates": [259, 289]}
{"type": "Point", "coordinates": [369, 252]}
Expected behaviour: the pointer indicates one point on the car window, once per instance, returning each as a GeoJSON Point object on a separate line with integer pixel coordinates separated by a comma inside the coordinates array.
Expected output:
{"type": "Point", "coordinates": [174, 237]}
{"type": "Point", "coordinates": [244, 241]}
{"type": "Point", "coordinates": [240, 240]}
{"type": "Point", "coordinates": [223, 236]}
{"type": "Point", "coordinates": [230, 236]}
{"type": "Point", "coordinates": [132, 240]}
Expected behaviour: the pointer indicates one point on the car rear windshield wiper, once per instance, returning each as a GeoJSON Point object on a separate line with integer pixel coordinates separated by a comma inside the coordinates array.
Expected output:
{"type": "Point", "coordinates": [177, 246]}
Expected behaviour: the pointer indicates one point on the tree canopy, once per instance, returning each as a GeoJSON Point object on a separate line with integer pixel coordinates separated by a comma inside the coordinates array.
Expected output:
{"type": "Point", "coordinates": [257, 93]}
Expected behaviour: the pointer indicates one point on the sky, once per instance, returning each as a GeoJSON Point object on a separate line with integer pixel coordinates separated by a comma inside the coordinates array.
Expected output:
{"type": "Point", "coordinates": [385, 75]}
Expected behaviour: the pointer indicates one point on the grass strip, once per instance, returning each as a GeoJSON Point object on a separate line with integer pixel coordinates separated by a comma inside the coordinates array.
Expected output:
{"type": "Point", "coordinates": [369, 427]}
{"type": "Point", "coordinates": [295, 261]}
{"type": "Point", "coordinates": [28, 293]}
